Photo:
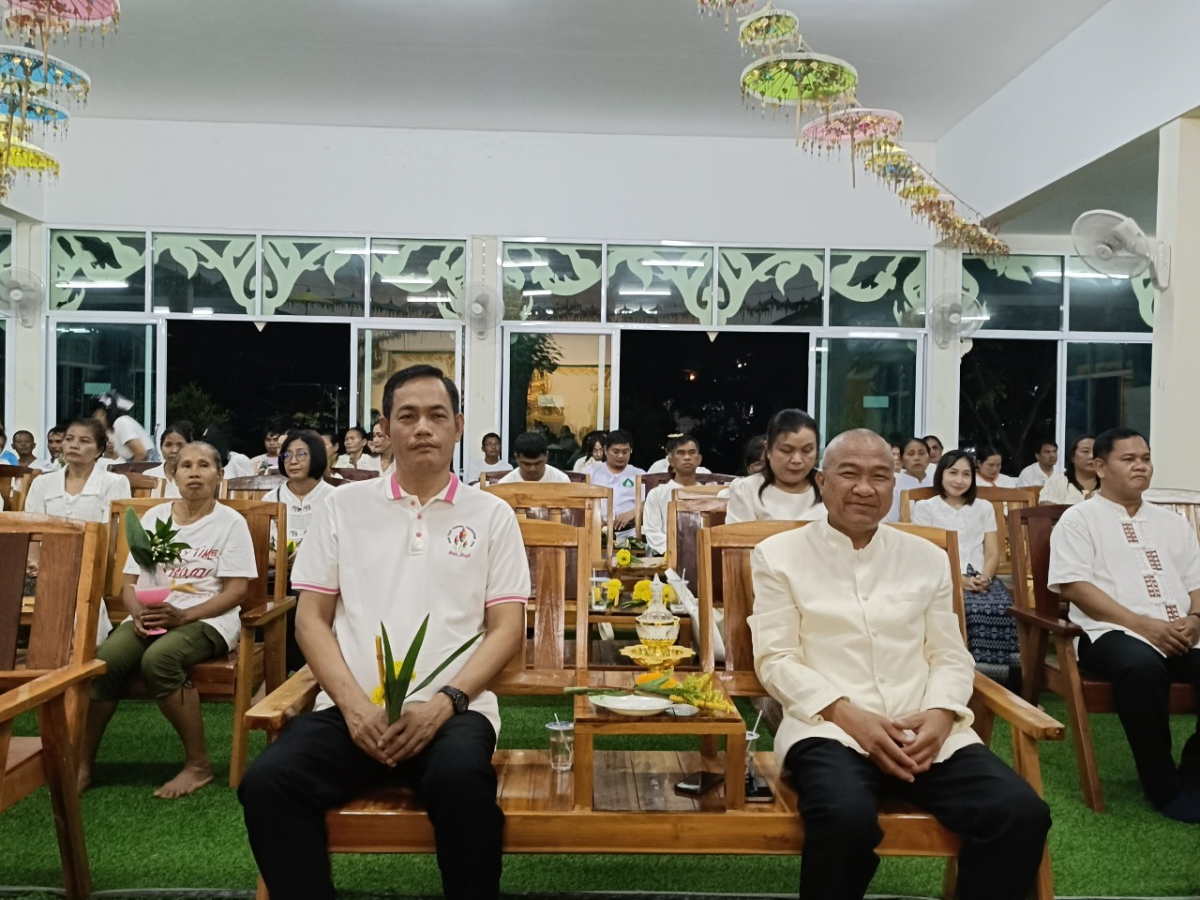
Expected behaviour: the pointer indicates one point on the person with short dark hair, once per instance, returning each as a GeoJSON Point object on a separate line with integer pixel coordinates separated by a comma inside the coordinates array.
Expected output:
{"type": "Point", "coordinates": [1045, 464]}
{"type": "Point", "coordinates": [1078, 481]}
{"type": "Point", "coordinates": [935, 447]}
{"type": "Point", "coordinates": [332, 439]}
{"type": "Point", "coordinates": [786, 489]}
{"type": "Point", "coordinates": [356, 444]}
{"type": "Point", "coordinates": [174, 438]}
{"type": "Point", "coordinates": [914, 472]}
{"type": "Point", "coordinates": [532, 453]}
{"type": "Point", "coordinates": [491, 462]}
{"type": "Point", "coordinates": [1131, 572]}
{"type": "Point", "coordinates": [855, 634]}
{"type": "Point", "coordinates": [618, 474]}
{"type": "Point", "coordinates": [200, 616]}
{"type": "Point", "coordinates": [991, 632]}
{"type": "Point", "coordinates": [23, 445]}
{"type": "Point", "coordinates": [664, 465]}
{"type": "Point", "coordinates": [54, 445]}
{"type": "Point", "coordinates": [988, 461]}
{"type": "Point", "coordinates": [685, 463]}
{"type": "Point", "coordinates": [268, 462]}
{"type": "Point", "coordinates": [754, 455]}
{"type": "Point", "coordinates": [396, 550]}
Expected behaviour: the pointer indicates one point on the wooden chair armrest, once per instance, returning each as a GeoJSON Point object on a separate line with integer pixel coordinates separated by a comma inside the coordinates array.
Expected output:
{"type": "Point", "coordinates": [11, 678]}
{"type": "Point", "coordinates": [284, 703]}
{"type": "Point", "coordinates": [34, 693]}
{"type": "Point", "coordinates": [1024, 717]}
{"type": "Point", "coordinates": [1054, 626]}
{"type": "Point", "coordinates": [271, 609]}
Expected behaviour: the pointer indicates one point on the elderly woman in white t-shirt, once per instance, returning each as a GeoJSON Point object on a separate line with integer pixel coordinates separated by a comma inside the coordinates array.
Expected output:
{"type": "Point", "coordinates": [786, 489]}
{"type": "Point", "coordinates": [200, 618]}
{"type": "Point", "coordinates": [1078, 482]}
{"type": "Point", "coordinates": [991, 632]}
{"type": "Point", "coordinates": [81, 490]}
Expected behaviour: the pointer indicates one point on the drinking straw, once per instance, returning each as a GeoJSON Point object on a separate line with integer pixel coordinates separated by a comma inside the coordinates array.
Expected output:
{"type": "Point", "coordinates": [754, 730]}
{"type": "Point", "coordinates": [556, 722]}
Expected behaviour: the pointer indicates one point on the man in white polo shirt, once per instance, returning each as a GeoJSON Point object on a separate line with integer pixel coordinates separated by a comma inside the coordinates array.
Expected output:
{"type": "Point", "coordinates": [685, 460]}
{"type": "Point", "coordinates": [616, 473]}
{"type": "Point", "coordinates": [394, 550]}
{"type": "Point", "coordinates": [532, 452]}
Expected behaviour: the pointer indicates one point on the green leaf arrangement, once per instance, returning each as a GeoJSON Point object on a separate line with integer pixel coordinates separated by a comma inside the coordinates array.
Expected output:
{"type": "Point", "coordinates": [151, 549]}
{"type": "Point", "coordinates": [395, 685]}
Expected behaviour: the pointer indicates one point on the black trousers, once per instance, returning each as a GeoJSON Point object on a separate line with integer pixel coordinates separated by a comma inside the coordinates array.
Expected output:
{"type": "Point", "coordinates": [1002, 821]}
{"type": "Point", "coordinates": [1141, 682]}
{"type": "Point", "coordinates": [315, 765]}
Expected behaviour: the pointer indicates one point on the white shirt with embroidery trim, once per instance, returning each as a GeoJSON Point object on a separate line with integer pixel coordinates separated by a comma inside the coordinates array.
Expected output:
{"type": "Point", "coordinates": [394, 561]}
{"type": "Point", "coordinates": [220, 548]}
{"type": "Point", "coordinates": [1146, 563]}
{"type": "Point", "coordinates": [876, 626]}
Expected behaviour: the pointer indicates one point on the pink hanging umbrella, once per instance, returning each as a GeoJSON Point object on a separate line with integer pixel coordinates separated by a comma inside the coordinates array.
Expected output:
{"type": "Point", "coordinates": [84, 13]}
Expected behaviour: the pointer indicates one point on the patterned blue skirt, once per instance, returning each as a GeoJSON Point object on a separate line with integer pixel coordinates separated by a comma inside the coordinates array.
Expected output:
{"type": "Point", "coordinates": [991, 632]}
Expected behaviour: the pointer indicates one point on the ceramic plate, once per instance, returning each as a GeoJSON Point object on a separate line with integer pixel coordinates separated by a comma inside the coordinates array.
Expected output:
{"type": "Point", "coordinates": [632, 704]}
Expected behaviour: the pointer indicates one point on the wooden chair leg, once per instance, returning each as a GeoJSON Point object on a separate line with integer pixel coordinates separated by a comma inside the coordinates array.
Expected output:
{"type": "Point", "coordinates": [950, 880]}
{"type": "Point", "coordinates": [260, 893]}
{"type": "Point", "coordinates": [1081, 729]}
{"type": "Point", "coordinates": [1028, 765]}
{"type": "Point", "coordinates": [1033, 642]}
{"type": "Point", "coordinates": [243, 691]}
{"type": "Point", "coordinates": [62, 775]}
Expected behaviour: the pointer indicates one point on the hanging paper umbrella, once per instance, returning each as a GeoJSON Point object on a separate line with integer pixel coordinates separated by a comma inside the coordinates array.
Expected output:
{"type": "Point", "coordinates": [45, 74]}
{"type": "Point", "coordinates": [801, 80]}
{"type": "Point", "coordinates": [770, 31]}
{"type": "Point", "coordinates": [18, 106]}
{"type": "Point", "coordinates": [17, 155]}
{"type": "Point", "coordinates": [41, 19]}
{"type": "Point", "coordinates": [855, 126]}
{"type": "Point", "coordinates": [723, 6]}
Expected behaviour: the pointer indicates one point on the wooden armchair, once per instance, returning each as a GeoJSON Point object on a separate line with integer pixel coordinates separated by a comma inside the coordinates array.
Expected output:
{"type": "Point", "coordinates": [253, 487]}
{"type": "Point", "coordinates": [725, 557]}
{"type": "Point", "coordinates": [59, 667]}
{"type": "Point", "coordinates": [237, 675]}
{"type": "Point", "coordinates": [138, 468]}
{"type": "Point", "coordinates": [575, 504]}
{"type": "Point", "coordinates": [685, 519]}
{"type": "Point", "coordinates": [1003, 500]}
{"type": "Point", "coordinates": [647, 483]}
{"type": "Point", "coordinates": [1042, 617]}
{"type": "Point", "coordinates": [144, 486]}
{"type": "Point", "coordinates": [579, 477]}
{"type": "Point", "coordinates": [14, 487]}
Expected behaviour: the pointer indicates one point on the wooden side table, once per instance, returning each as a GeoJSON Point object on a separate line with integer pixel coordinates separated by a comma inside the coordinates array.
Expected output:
{"type": "Point", "coordinates": [591, 720]}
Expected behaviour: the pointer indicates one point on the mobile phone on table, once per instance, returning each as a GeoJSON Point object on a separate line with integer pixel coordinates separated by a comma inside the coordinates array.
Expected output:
{"type": "Point", "coordinates": [699, 783]}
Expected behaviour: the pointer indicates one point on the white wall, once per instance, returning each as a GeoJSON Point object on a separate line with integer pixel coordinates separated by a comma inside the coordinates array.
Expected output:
{"type": "Point", "coordinates": [456, 183]}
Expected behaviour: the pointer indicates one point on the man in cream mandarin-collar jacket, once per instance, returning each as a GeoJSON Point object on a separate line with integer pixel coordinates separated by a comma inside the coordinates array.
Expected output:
{"type": "Point", "coordinates": [856, 636]}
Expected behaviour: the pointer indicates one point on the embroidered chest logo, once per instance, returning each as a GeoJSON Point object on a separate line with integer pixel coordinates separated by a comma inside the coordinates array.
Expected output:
{"type": "Point", "coordinates": [628, 482]}
{"type": "Point", "coordinates": [461, 540]}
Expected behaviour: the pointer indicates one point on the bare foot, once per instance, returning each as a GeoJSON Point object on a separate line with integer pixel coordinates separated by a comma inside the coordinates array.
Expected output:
{"type": "Point", "coordinates": [189, 780]}
{"type": "Point", "coordinates": [84, 778]}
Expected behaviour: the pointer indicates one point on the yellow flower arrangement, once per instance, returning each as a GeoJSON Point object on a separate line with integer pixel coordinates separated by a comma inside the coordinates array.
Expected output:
{"type": "Point", "coordinates": [612, 590]}
{"type": "Point", "coordinates": [624, 558]}
{"type": "Point", "coordinates": [669, 595]}
{"type": "Point", "coordinates": [643, 591]}
{"type": "Point", "coordinates": [377, 695]}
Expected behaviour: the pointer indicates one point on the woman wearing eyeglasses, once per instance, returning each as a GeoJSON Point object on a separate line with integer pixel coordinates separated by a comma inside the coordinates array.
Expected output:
{"type": "Point", "coordinates": [303, 460]}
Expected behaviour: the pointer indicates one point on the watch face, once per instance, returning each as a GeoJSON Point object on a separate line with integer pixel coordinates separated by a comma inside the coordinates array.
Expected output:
{"type": "Point", "coordinates": [460, 702]}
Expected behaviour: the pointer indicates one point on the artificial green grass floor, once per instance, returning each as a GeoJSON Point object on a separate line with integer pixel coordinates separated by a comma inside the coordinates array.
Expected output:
{"type": "Point", "coordinates": [136, 841]}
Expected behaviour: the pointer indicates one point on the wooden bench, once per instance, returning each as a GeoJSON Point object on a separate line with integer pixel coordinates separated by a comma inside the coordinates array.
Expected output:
{"type": "Point", "coordinates": [1042, 617]}
{"type": "Point", "coordinates": [725, 558]}
{"type": "Point", "coordinates": [238, 674]}
{"type": "Point", "coordinates": [59, 667]}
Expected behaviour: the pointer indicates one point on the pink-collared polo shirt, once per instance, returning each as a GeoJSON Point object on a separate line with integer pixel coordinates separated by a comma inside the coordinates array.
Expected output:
{"type": "Point", "coordinates": [395, 561]}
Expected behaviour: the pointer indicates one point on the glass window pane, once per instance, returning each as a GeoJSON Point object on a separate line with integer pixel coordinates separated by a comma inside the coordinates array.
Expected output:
{"type": "Point", "coordinates": [1100, 303]}
{"type": "Point", "coordinates": [770, 287]}
{"type": "Point", "coordinates": [1108, 386]}
{"type": "Point", "coordinates": [5, 249]}
{"type": "Point", "coordinates": [660, 284]}
{"type": "Point", "coordinates": [382, 352]}
{"type": "Point", "coordinates": [557, 382]}
{"type": "Point", "coordinates": [1008, 391]}
{"type": "Point", "coordinates": [417, 279]}
{"type": "Point", "coordinates": [3, 368]}
{"type": "Point", "coordinates": [866, 383]}
{"type": "Point", "coordinates": [98, 271]}
{"type": "Point", "coordinates": [96, 357]}
{"type": "Point", "coordinates": [204, 273]}
{"type": "Point", "coordinates": [877, 289]}
{"type": "Point", "coordinates": [313, 276]}
{"type": "Point", "coordinates": [552, 282]}
{"type": "Point", "coordinates": [1018, 293]}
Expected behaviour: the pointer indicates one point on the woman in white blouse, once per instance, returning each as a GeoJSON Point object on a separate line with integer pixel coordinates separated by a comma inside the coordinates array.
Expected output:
{"type": "Point", "coordinates": [593, 452]}
{"type": "Point", "coordinates": [914, 473]}
{"type": "Point", "coordinates": [988, 462]}
{"type": "Point", "coordinates": [991, 632]}
{"type": "Point", "coordinates": [786, 488]}
{"type": "Point", "coordinates": [1078, 482]}
{"type": "Point", "coordinates": [354, 442]}
{"type": "Point", "coordinates": [81, 490]}
{"type": "Point", "coordinates": [173, 439]}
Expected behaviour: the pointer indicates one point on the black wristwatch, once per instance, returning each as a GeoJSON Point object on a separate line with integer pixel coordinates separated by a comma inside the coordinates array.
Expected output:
{"type": "Point", "coordinates": [459, 700]}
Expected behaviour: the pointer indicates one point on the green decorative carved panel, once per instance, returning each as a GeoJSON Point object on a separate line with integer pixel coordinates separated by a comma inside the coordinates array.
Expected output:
{"type": "Point", "coordinates": [659, 285]}
{"type": "Point", "coordinates": [98, 271]}
{"type": "Point", "coordinates": [877, 289]}
{"type": "Point", "coordinates": [417, 279]}
{"type": "Point", "coordinates": [194, 273]}
{"type": "Point", "coordinates": [770, 287]}
{"type": "Point", "coordinates": [1099, 303]}
{"type": "Point", "coordinates": [314, 276]}
{"type": "Point", "coordinates": [5, 249]}
{"type": "Point", "coordinates": [552, 282]}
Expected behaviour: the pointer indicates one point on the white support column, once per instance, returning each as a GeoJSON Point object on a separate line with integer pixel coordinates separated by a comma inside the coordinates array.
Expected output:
{"type": "Point", "coordinates": [29, 244]}
{"type": "Point", "coordinates": [482, 376]}
{"type": "Point", "coordinates": [1174, 426]}
{"type": "Point", "coordinates": [941, 382]}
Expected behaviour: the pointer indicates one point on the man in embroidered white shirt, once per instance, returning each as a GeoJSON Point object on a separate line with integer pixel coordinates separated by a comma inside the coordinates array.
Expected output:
{"type": "Point", "coordinates": [856, 636]}
{"type": "Point", "coordinates": [394, 550]}
{"type": "Point", "coordinates": [1131, 571]}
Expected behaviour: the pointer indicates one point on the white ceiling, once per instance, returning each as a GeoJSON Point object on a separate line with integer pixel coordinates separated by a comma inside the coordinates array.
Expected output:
{"type": "Point", "coordinates": [1125, 180]}
{"type": "Point", "coordinates": [591, 66]}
